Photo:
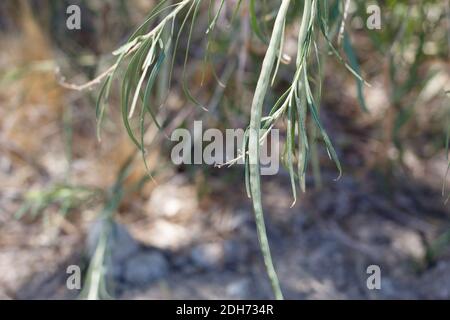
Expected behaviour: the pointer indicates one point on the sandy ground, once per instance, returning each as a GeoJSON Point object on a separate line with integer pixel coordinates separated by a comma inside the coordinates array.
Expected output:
{"type": "Point", "coordinates": [168, 244]}
{"type": "Point", "coordinates": [322, 247]}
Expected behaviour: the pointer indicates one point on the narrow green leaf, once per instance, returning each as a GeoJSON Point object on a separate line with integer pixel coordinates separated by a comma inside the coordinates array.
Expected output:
{"type": "Point", "coordinates": [326, 139]}
{"type": "Point", "coordinates": [100, 105]}
{"type": "Point", "coordinates": [353, 61]}
{"type": "Point", "coordinates": [290, 136]}
{"type": "Point", "coordinates": [254, 22]}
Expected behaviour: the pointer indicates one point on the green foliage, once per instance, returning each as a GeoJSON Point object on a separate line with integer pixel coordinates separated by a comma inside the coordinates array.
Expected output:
{"type": "Point", "coordinates": [145, 55]}
{"type": "Point", "coordinates": [146, 50]}
{"type": "Point", "coordinates": [65, 197]}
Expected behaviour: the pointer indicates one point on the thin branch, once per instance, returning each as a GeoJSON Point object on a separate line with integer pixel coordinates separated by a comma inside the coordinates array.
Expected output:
{"type": "Point", "coordinates": [86, 86]}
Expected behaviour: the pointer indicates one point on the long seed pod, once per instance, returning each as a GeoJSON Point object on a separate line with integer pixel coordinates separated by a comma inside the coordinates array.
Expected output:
{"type": "Point", "coordinates": [254, 135]}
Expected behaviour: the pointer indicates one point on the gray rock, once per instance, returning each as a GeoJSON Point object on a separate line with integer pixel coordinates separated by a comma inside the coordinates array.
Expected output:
{"type": "Point", "coordinates": [208, 255]}
{"type": "Point", "coordinates": [120, 243]}
{"type": "Point", "coordinates": [435, 283]}
{"type": "Point", "coordinates": [214, 255]}
{"type": "Point", "coordinates": [145, 267]}
{"type": "Point", "coordinates": [236, 252]}
{"type": "Point", "coordinates": [239, 289]}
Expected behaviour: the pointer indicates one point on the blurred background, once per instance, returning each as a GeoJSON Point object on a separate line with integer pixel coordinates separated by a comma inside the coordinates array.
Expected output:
{"type": "Point", "coordinates": [188, 231]}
